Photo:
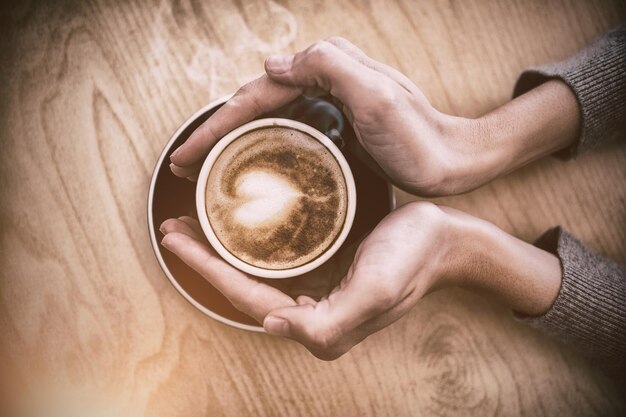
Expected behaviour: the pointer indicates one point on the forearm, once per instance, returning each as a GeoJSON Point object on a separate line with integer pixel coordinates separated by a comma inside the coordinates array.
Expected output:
{"type": "Point", "coordinates": [572, 105]}
{"type": "Point", "coordinates": [529, 127]}
{"type": "Point", "coordinates": [475, 151]}
{"type": "Point", "coordinates": [485, 258]}
{"type": "Point", "coordinates": [558, 286]}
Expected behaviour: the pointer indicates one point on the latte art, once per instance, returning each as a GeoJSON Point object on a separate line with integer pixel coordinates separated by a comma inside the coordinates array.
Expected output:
{"type": "Point", "coordinates": [266, 199]}
{"type": "Point", "coordinates": [276, 198]}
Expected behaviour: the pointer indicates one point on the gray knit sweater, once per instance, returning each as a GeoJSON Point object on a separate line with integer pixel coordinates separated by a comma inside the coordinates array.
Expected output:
{"type": "Point", "coordinates": [590, 310]}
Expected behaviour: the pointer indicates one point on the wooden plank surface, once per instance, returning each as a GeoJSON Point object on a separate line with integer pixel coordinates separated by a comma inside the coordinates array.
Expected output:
{"type": "Point", "coordinates": [90, 92]}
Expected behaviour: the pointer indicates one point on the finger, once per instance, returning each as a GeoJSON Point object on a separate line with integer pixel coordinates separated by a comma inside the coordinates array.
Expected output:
{"type": "Point", "coordinates": [184, 172]}
{"type": "Point", "coordinates": [305, 299]}
{"type": "Point", "coordinates": [194, 225]}
{"type": "Point", "coordinates": [247, 295]}
{"type": "Point", "coordinates": [358, 54]}
{"type": "Point", "coordinates": [322, 325]}
{"type": "Point", "coordinates": [325, 66]}
{"type": "Point", "coordinates": [253, 99]}
{"type": "Point", "coordinates": [332, 351]}
{"type": "Point", "coordinates": [179, 226]}
{"type": "Point", "coordinates": [371, 326]}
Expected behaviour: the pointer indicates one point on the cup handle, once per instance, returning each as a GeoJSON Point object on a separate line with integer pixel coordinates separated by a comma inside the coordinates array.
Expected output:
{"type": "Point", "coordinates": [322, 114]}
{"type": "Point", "coordinates": [334, 135]}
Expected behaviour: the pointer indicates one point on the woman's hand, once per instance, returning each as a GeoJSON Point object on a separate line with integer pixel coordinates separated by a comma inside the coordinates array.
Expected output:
{"type": "Point", "coordinates": [343, 302]}
{"type": "Point", "coordinates": [416, 249]}
{"type": "Point", "coordinates": [401, 260]}
{"type": "Point", "coordinates": [419, 149]}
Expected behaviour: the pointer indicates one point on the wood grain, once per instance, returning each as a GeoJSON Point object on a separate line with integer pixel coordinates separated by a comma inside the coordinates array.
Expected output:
{"type": "Point", "coordinates": [90, 92]}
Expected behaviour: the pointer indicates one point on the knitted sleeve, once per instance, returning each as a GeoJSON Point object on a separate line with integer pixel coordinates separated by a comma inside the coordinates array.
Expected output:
{"type": "Point", "coordinates": [590, 310]}
{"type": "Point", "coordinates": [597, 76]}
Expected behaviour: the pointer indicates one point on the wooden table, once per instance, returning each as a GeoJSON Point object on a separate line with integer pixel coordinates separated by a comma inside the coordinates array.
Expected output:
{"type": "Point", "coordinates": [90, 92]}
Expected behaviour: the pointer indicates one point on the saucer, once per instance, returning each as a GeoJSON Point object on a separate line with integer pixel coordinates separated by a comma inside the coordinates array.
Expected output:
{"type": "Point", "coordinates": [170, 196]}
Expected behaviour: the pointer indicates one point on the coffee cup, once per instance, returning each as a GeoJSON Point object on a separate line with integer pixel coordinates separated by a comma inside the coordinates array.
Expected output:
{"type": "Point", "coordinates": [275, 198]}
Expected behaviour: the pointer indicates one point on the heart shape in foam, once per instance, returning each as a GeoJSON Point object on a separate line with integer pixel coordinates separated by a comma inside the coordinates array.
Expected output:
{"type": "Point", "coordinates": [266, 199]}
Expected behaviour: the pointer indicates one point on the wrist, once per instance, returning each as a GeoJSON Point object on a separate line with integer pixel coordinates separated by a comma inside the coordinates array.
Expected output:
{"type": "Point", "coordinates": [483, 257]}
{"type": "Point", "coordinates": [475, 151]}
{"type": "Point", "coordinates": [430, 234]}
{"type": "Point", "coordinates": [529, 127]}
{"type": "Point", "coordinates": [465, 159]}
{"type": "Point", "coordinates": [454, 247]}
{"type": "Point", "coordinates": [460, 248]}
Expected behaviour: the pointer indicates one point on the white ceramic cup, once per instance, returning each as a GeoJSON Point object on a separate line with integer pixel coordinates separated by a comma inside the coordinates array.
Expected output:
{"type": "Point", "coordinates": [204, 218]}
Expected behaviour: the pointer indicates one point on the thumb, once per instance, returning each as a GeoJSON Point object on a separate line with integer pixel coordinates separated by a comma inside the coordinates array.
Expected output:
{"type": "Point", "coordinates": [327, 67]}
{"type": "Point", "coordinates": [282, 322]}
{"type": "Point", "coordinates": [319, 326]}
{"type": "Point", "coordinates": [308, 325]}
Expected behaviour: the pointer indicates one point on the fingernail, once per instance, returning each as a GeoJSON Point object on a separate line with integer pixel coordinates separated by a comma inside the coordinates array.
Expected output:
{"type": "Point", "coordinates": [164, 243]}
{"type": "Point", "coordinates": [173, 155]}
{"type": "Point", "coordinates": [278, 64]}
{"type": "Point", "coordinates": [161, 228]}
{"type": "Point", "coordinates": [276, 326]}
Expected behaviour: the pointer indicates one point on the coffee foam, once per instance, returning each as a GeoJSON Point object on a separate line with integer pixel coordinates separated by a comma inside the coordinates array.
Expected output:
{"type": "Point", "coordinates": [266, 199]}
{"type": "Point", "coordinates": [279, 198]}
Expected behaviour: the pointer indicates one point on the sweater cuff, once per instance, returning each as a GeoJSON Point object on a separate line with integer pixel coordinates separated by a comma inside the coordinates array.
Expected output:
{"type": "Point", "coordinates": [597, 76]}
{"type": "Point", "coordinates": [590, 310]}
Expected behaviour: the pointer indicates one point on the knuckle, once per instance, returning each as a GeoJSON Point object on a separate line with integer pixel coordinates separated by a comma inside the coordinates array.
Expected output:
{"type": "Point", "coordinates": [254, 293]}
{"type": "Point", "coordinates": [425, 209]}
{"type": "Point", "coordinates": [246, 96]}
{"type": "Point", "coordinates": [323, 338]}
{"type": "Point", "coordinates": [430, 214]}
{"type": "Point", "coordinates": [388, 92]}
{"type": "Point", "coordinates": [241, 302]}
{"type": "Point", "coordinates": [237, 303]}
{"type": "Point", "coordinates": [235, 300]}
{"type": "Point", "coordinates": [243, 90]}
{"type": "Point", "coordinates": [337, 40]}
{"type": "Point", "coordinates": [320, 50]}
